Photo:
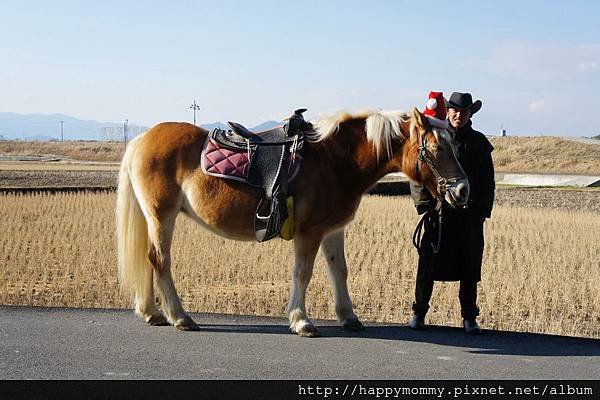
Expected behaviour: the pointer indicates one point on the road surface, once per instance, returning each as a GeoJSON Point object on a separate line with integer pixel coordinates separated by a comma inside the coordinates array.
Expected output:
{"type": "Point", "coordinates": [63, 343]}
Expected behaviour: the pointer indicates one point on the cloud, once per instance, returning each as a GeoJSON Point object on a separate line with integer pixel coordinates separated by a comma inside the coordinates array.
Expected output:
{"type": "Point", "coordinates": [527, 61]}
{"type": "Point", "coordinates": [588, 66]}
{"type": "Point", "coordinates": [537, 105]}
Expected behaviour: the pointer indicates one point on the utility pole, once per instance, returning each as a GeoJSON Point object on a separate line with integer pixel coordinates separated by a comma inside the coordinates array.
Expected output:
{"type": "Point", "coordinates": [62, 137]}
{"type": "Point", "coordinates": [195, 107]}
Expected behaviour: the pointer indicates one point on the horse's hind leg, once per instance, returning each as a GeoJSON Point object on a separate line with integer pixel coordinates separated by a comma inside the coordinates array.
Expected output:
{"type": "Point", "coordinates": [305, 251]}
{"type": "Point", "coordinates": [337, 270]}
{"type": "Point", "coordinates": [145, 304]}
{"type": "Point", "coordinates": [161, 235]}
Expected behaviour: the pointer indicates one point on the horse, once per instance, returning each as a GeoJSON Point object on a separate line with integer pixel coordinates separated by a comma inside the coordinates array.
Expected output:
{"type": "Point", "coordinates": [343, 156]}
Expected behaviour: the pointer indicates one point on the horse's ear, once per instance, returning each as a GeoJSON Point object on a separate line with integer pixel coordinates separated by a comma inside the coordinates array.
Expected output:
{"type": "Point", "coordinates": [418, 118]}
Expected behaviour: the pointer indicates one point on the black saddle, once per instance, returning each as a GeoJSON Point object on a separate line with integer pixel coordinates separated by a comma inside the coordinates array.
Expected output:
{"type": "Point", "coordinates": [277, 135]}
{"type": "Point", "coordinates": [239, 137]}
{"type": "Point", "coordinates": [272, 153]}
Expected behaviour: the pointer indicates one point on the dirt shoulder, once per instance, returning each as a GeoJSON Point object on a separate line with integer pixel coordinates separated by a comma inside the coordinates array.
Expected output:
{"type": "Point", "coordinates": [57, 179]}
{"type": "Point", "coordinates": [555, 198]}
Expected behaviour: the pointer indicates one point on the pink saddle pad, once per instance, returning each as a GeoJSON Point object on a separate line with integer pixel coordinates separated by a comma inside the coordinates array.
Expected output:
{"type": "Point", "coordinates": [224, 163]}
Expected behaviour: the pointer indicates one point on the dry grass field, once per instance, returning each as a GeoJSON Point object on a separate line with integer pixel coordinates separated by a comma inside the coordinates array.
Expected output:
{"type": "Point", "coordinates": [88, 151]}
{"type": "Point", "coordinates": [545, 154]}
{"type": "Point", "coordinates": [512, 154]}
{"type": "Point", "coordinates": [541, 266]}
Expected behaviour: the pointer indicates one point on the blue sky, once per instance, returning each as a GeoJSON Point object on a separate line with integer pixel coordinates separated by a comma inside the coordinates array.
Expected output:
{"type": "Point", "coordinates": [534, 64]}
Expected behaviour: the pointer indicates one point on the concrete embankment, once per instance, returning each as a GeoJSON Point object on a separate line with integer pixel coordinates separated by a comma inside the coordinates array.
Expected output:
{"type": "Point", "coordinates": [547, 180]}
{"type": "Point", "coordinates": [502, 178]}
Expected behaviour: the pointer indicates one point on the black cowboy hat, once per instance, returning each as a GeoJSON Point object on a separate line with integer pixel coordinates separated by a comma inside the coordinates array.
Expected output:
{"type": "Point", "coordinates": [463, 101]}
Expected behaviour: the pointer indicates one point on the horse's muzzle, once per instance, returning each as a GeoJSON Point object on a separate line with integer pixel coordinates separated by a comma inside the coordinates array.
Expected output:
{"type": "Point", "coordinates": [457, 192]}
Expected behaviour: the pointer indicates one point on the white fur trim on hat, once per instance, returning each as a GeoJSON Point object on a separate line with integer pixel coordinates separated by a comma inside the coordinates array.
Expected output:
{"type": "Point", "coordinates": [431, 104]}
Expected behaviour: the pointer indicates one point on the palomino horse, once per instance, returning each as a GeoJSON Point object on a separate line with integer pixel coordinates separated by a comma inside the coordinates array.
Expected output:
{"type": "Point", "coordinates": [160, 176]}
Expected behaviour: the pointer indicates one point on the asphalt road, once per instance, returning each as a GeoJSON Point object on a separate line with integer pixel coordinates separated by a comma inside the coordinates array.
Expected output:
{"type": "Point", "coordinates": [61, 343]}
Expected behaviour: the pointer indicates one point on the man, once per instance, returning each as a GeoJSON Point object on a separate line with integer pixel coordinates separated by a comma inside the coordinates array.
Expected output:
{"type": "Point", "coordinates": [460, 254]}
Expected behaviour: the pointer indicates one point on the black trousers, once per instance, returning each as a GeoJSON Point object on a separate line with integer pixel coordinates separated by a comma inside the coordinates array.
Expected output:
{"type": "Point", "coordinates": [458, 228]}
{"type": "Point", "coordinates": [467, 293]}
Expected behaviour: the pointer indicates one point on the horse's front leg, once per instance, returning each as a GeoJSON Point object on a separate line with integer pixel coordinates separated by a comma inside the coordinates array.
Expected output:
{"type": "Point", "coordinates": [305, 250]}
{"type": "Point", "coordinates": [337, 270]}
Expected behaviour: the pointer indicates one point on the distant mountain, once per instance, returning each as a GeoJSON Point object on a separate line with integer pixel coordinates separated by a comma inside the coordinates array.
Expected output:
{"type": "Point", "coordinates": [597, 137]}
{"type": "Point", "coordinates": [23, 126]}
{"type": "Point", "coordinates": [260, 127]}
{"type": "Point", "coordinates": [266, 125]}
{"type": "Point", "coordinates": [214, 125]}
{"type": "Point", "coordinates": [46, 127]}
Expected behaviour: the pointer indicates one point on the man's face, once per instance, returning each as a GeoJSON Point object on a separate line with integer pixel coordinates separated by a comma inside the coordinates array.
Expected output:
{"type": "Point", "coordinates": [459, 117]}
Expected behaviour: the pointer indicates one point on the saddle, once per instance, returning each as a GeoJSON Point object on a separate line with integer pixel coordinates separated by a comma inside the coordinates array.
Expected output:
{"type": "Point", "coordinates": [239, 136]}
{"type": "Point", "coordinates": [266, 160]}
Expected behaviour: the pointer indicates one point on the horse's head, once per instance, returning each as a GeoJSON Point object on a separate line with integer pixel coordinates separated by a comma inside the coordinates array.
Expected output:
{"type": "Point", "coordinates": [429, 159]}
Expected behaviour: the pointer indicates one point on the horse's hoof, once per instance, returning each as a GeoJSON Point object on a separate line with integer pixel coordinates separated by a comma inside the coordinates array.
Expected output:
{"type": "Point", "coordinates": [157, 320]}
{"type": "Point", "coordinates": [187, 324]}
{"type": "Point", "coordinates": [353, 325]}
{"type": "Point", "coordinates": [308, 330]}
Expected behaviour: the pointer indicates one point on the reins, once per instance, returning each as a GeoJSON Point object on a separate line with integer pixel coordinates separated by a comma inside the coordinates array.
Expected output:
{"type": "Point", "coordinates": [423, 155]}
{"type": "Point", "coordinates": [417, 238]}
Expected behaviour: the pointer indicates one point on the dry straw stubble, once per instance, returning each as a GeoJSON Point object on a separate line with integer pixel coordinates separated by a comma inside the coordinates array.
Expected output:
{"type": "Point", "coordinates": [541, 267]}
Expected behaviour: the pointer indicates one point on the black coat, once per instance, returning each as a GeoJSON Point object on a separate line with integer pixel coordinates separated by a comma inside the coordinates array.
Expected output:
{"type": "Point", "coordinates": [461, 250]}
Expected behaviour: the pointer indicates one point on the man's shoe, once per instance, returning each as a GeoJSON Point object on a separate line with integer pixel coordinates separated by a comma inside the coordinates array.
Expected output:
{"type": "Point", "coordinates": [417, 322]}
{"type": "Point", "coordinates": [471, 326]}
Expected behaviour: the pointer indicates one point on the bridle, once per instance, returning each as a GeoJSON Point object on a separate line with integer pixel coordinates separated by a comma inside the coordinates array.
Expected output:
{"type": "Point", "coordinates": [424, 156]}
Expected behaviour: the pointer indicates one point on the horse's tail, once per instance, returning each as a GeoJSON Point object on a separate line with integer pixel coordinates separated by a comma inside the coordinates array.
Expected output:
{"type": "Point", "coordinates": [132, 233]}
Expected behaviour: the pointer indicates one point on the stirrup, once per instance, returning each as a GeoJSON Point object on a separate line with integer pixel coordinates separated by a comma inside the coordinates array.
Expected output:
{"type": "Point", "coordinates": [269, 218]}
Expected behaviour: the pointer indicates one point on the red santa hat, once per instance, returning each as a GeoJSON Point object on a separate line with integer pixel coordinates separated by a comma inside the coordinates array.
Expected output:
{"type": "Point", "coordinates": [435, 110]}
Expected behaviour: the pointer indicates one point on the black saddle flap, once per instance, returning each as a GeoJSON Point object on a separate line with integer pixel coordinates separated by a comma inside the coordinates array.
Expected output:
{"type": "Point", "coordinates": [268, 166]}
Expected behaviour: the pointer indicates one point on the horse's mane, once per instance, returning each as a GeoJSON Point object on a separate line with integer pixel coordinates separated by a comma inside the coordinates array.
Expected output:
{"type": "Point", "coordinates": [382, 127]}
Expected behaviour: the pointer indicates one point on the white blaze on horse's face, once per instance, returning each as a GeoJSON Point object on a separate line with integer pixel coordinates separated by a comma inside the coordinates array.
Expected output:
{"type": "Point", "coordinates": [455, 183]}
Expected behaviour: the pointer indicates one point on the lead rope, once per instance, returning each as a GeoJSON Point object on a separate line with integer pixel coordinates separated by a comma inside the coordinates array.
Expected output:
{"type": "Point", "coordinates": [436, 248]}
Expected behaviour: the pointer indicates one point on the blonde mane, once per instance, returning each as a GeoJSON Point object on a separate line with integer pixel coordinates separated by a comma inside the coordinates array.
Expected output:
{"type": "Point", "coordinates": [382, 127]}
